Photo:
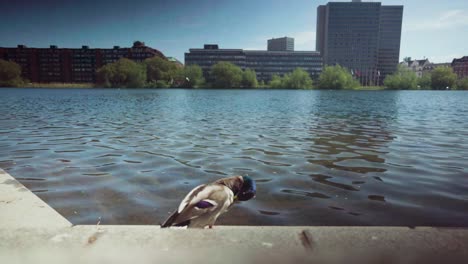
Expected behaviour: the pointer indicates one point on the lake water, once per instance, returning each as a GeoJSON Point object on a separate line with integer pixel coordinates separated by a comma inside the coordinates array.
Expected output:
{"type": "Point", "coordinates": [319, 157]}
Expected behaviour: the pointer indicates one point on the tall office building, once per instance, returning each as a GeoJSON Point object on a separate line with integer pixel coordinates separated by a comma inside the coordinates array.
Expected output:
{"type": "Point", "coordinates": [281, 44]}
{"type": "Point", "coordinates": [361, 36]}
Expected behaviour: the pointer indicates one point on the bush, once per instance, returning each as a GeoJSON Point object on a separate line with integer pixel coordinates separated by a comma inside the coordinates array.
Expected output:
{"type": "Point", "coordinates": [262, 84]}
{"type": "Point", "coordinates": [249, 79]}
{"type": "Point", "coordinates": [157, 84]}
{"type": "Point", "coordinates": [443, 77]}
{"type": "Point", "coordinates": [425, 81]}
{"type": "Point", "coordinates": [337, 77]}
{"type": "Point", "coordinates": [403, 78]}
{"type": "Point", "coordinates": [123, 73]}
{"type": "Point", "coordinates": [298, 79]}
{"type": "Point", "coordinates": [192, 77]}
{"type": "Point", "coordinates": [158, 69]}
{"type": "Point", "coordinates": [10, 74]}
{"type": "Point", "coordinates": [226, 75]}
{"type": "Point", "coordinates": [462, 84]}
{"type": "Point", "coordinates": [275, 82]}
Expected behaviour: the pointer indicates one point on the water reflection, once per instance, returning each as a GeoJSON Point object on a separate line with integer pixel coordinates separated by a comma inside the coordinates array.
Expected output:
{"type": "Point", "coordinates": [346, 145]}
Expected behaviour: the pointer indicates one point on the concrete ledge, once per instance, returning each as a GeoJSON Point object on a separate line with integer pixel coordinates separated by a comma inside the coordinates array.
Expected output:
{"type": "Point", "coordinates": [226, 244]}
{"type": "Point", "coordinates": [32, 232]}
{"type": "Point", "coordinates": [21, 208]}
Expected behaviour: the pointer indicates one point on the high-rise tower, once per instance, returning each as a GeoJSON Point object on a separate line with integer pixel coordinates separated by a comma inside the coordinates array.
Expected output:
{"type": "Point", "coordinates": [281, 44]}
{"type": "Point", "coordinates": [361, 36]}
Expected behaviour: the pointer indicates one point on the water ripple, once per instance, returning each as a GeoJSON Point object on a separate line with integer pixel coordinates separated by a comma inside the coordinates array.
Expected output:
{"type": "Point", "coordinates": [318, 157]}
{"type": "Point", "coordinates": [308, 194]}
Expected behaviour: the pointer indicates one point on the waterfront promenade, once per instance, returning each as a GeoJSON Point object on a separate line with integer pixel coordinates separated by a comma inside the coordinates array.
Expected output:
{"type": "Point", "coordinates": [33, 232]}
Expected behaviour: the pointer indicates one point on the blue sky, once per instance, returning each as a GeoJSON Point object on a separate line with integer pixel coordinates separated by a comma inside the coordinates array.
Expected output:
{"type": "Point", "coordinates": [437, 30]}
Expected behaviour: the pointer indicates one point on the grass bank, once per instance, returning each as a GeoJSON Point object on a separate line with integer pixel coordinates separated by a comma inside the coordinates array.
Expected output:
{"type": "Point", "coordinates": [58, 85]}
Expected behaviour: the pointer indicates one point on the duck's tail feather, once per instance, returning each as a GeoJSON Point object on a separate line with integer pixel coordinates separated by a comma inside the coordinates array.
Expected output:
{"type": "Point", "coordinates": [170, 220]}
{"type": "Point", "coordinates": [185, 223]}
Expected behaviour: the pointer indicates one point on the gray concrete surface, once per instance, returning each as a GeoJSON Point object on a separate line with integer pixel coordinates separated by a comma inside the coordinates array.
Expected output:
{"type": "Point", "coordinates": [147, 244]}
{"type": "Point", "coordinates": [21, 208]}
{"type": "Point", "coordinates": [41, 235]}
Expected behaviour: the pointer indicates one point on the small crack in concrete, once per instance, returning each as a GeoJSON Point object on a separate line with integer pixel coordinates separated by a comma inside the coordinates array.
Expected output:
{"type": "Point", "coordinates": [307, 240]}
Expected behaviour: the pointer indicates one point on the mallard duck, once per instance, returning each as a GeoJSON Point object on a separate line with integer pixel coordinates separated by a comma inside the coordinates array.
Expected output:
{"type": "Point", "coordinates": [205, 203]}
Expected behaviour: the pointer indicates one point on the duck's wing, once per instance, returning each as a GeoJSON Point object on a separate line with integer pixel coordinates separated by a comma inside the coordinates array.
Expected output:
{"type": "Point", "coordinates": [202, 200]}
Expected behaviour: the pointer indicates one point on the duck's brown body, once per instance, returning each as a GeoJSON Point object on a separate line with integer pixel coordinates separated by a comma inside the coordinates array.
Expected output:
{"type": "Point", "coordinates": [203, 205]}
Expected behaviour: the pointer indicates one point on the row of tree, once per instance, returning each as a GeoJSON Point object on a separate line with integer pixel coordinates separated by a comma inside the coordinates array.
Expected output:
{"type": "Point", "coordinates": [160, 73]}
{"type": "Point", "coordinates": [228, 75]}
{"type": "Point", "coordinates": [298, 79]}
{"type": "Point", "coordinates": [440, 78]}
{"type": "Point", "coordinates": [157, 72]}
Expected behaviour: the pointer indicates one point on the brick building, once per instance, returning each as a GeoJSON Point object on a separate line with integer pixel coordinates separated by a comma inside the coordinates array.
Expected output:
{"type": "Point", "coordinates": [460, 67]}
{"type": "Point", "coordinates": [68, 65]}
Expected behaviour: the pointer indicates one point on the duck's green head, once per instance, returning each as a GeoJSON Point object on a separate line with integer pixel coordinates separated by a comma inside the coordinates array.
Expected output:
{"type": "Point", "coordinates": [248, 190]}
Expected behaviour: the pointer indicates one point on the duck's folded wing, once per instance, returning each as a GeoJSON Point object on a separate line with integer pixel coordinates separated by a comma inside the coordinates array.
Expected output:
{"type": "Point", "coordinates": [173, 219]}
{"type": "Point", "coordinates": [202, 200]}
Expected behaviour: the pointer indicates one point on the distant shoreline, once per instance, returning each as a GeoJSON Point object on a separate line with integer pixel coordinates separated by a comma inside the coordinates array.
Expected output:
{"type": "Point", "coordinates": [92, 85]}
{"type": "Point", "coordinates": [58, 85]}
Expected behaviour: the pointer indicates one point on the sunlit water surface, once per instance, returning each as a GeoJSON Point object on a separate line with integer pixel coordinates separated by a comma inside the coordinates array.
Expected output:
{"type": "Point", "coordinates": [318, 157]}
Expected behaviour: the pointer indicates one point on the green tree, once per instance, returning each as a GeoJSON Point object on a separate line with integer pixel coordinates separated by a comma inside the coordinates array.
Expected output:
{"type": "Point", "coordinates": [10, 74]}
{"type": "Point", "coordinates": [249, 79]}
{"type": "Point", "coordinates": [275, 82]}
{"type": "Point", "coordinates": [298, 79]}
{"type": "Point", "coordinates": [192, 76]}
{"type": "Point", "coordinates": [226, 75]}
{"type": "Point", "coordinates": [336, 77]}
{"type": "Point", "coordinates": [403, 78]}
{"type": "Point", "coordinates": [160, 69]}
{"type": "Point", "coordinates": [462, 84]}
{"type": "Point", "coordinates": [122, 73]}
{"type": "Point", "coordinates": [425, 81]}
{"type": "Point", "coordinates": [443, 77]}
{"type": "Point", "coordinates": [105, 75]}
{"type": "Point", "coordinates": [261, 84]}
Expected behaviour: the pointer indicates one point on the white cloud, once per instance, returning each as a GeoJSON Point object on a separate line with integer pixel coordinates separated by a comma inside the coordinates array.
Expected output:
{"type": "Point", "coordinates": [444, 58]}
{"type": "Point", "coordinates": [445, 20]}
{"type": "Point", "coordinates": [304, 40]}
{"type": "Point", "coordinates": [255, 48]}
